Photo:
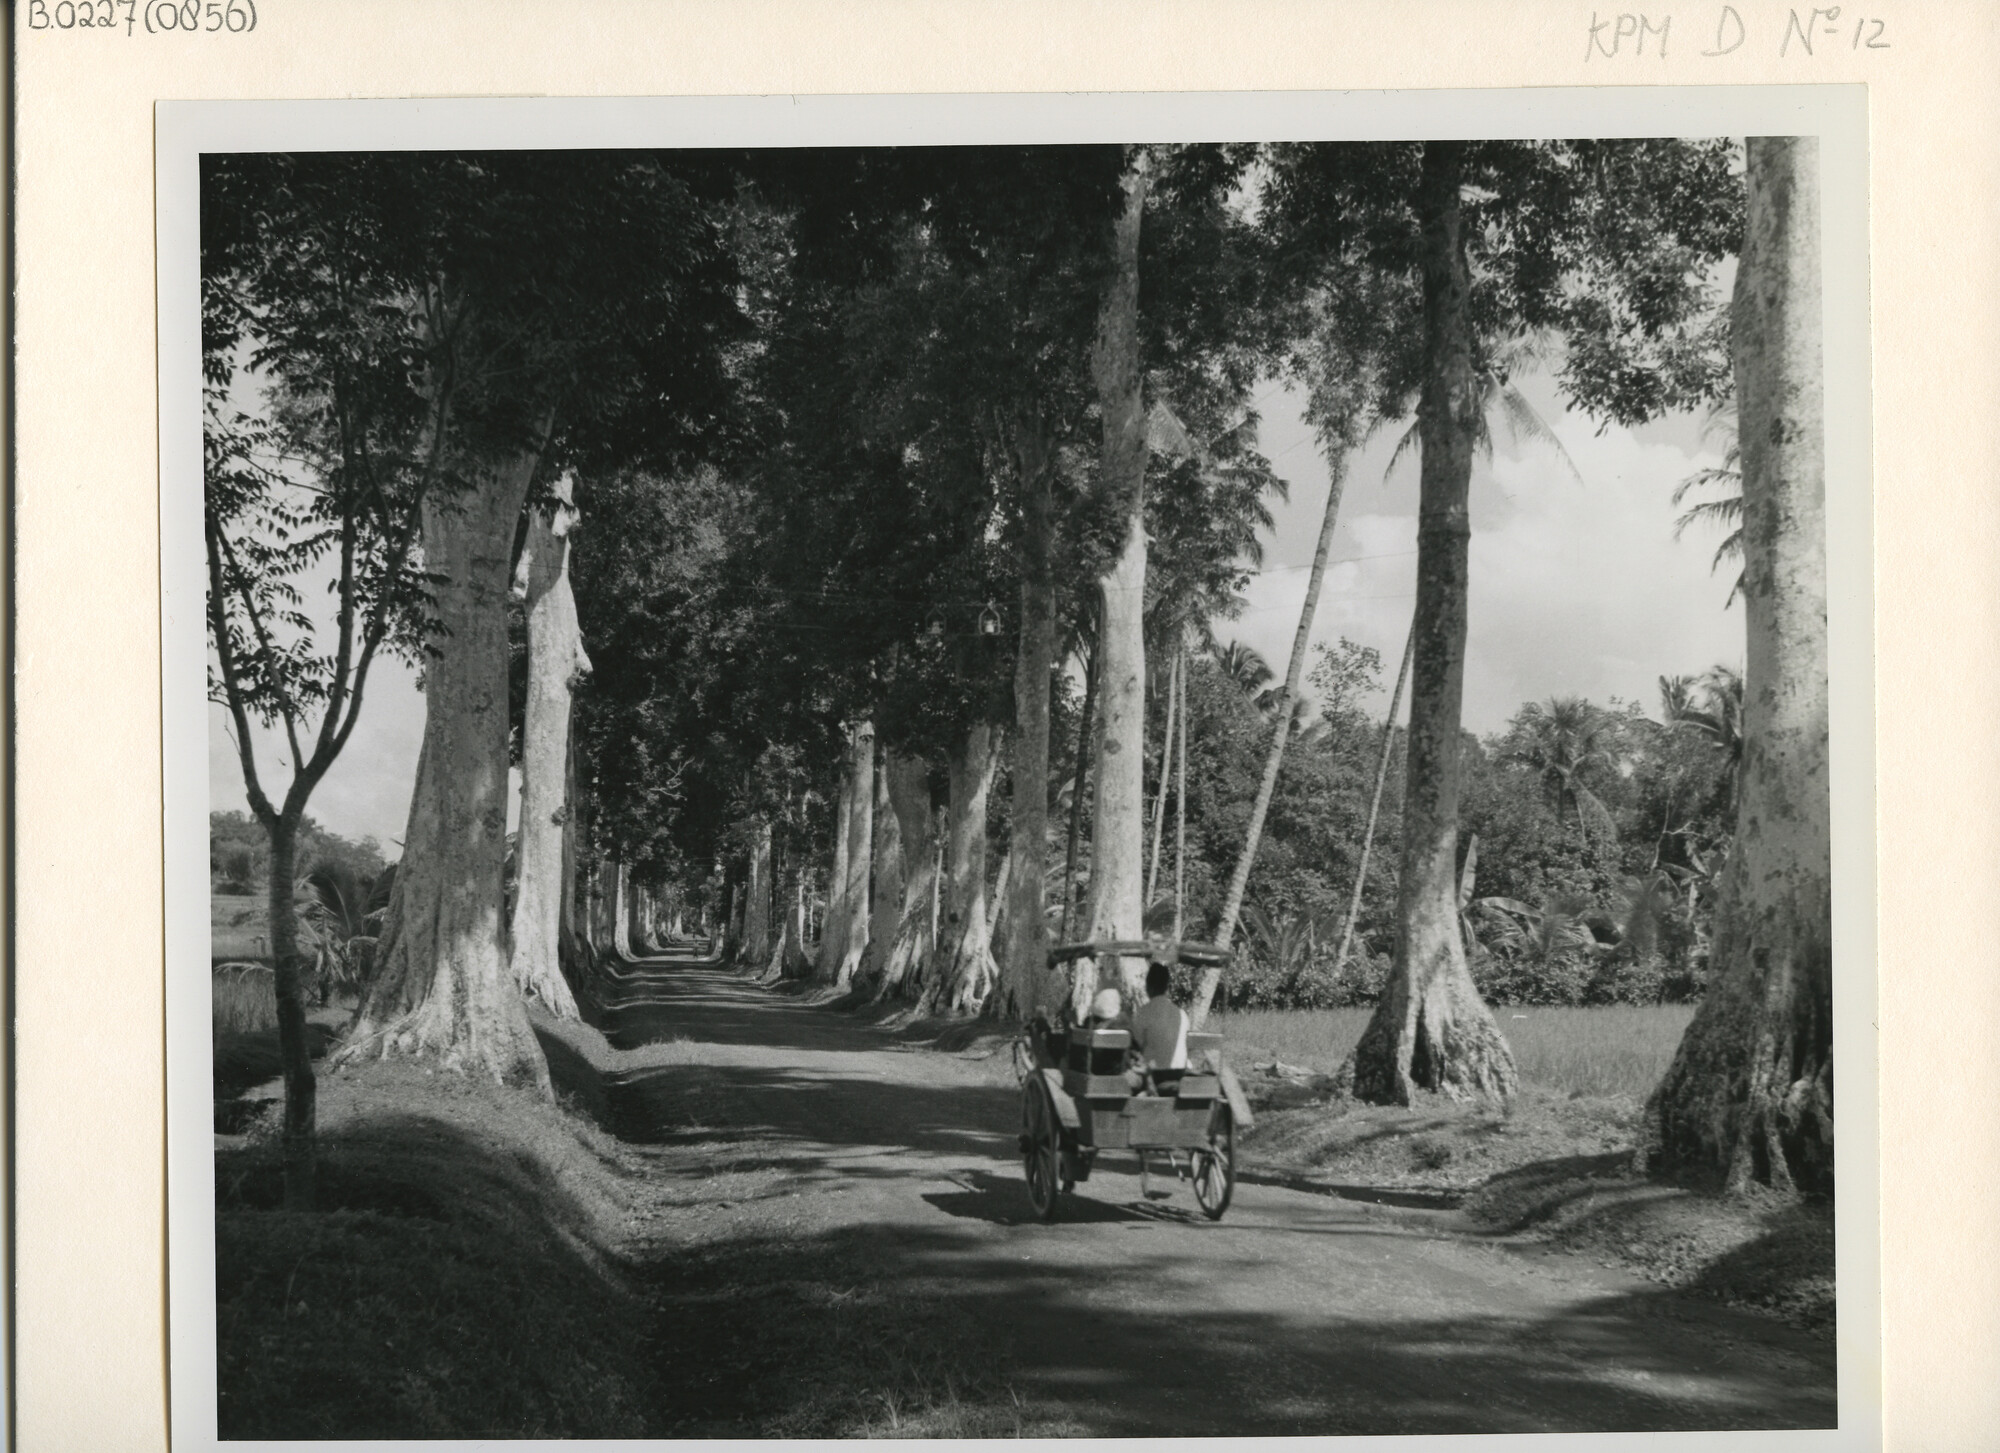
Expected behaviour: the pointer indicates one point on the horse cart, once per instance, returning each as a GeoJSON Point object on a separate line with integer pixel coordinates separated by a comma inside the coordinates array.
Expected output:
{"type": "Point", "coordinates": [1082, 1093]}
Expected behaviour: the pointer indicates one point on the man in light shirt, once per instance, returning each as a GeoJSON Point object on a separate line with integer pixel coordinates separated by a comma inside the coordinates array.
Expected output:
{"type": "Point", "coordinates": [1160, 1029]}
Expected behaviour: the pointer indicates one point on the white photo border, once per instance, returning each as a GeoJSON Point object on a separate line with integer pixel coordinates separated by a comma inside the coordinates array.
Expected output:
{"type": "Point", "coordinates": [1837, 114]}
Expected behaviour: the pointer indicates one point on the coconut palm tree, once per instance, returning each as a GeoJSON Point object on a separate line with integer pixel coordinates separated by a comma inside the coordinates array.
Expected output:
{"type": "Point", "coordinates": [1720, 718]}
{"type": "Point", "coordinates": [1499, 399]}
{"type": "Point", "coordinates": [1726, 509]}
{"type": "Point", "coordinates": [1245, 666]}
{"type": "Point", "coordinates": [1564, 740]}
{"type": "Point", "coordinates": [1676, 697]}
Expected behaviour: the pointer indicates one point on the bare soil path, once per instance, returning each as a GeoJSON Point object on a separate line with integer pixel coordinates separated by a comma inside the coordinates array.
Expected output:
{"type": "Point", "coordinates": [799, 1149]}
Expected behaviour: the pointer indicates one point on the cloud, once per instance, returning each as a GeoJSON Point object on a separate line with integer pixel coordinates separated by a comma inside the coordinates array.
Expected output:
{"type": "Point", "coordinates": [1576, 586]}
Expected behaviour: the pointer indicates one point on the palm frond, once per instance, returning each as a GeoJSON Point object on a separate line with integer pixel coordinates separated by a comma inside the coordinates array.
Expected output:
{"type": "Point", "coordinates": [1404, 445]}
{"type": "Point", "coordinates": [1525, 423]}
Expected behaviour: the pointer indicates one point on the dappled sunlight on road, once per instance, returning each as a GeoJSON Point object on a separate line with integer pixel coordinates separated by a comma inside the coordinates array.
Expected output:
{"type": "Point", "coordinates": [802, 1147]}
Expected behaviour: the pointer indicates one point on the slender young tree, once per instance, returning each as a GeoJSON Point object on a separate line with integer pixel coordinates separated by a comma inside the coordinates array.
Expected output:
{"type": "Point", "coordinates": [1281, 731]}
{"type": "Point", "coordinates": [1374, 808]}
{"type": "Point", "coordinates": [1345, 331]}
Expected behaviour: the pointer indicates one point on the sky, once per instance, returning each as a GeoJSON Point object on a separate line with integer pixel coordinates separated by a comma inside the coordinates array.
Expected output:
{"type": "Point", "coordinates": [1578, 588]}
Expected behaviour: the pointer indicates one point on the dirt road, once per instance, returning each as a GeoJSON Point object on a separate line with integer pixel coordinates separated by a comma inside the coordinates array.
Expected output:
{"type": "Point", "coordinates": [798, 1146]}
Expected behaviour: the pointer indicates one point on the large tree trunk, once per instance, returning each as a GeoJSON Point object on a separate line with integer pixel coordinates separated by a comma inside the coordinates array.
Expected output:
{"type": "Point", "coordinates": [1025, 983]}
{"type": "Point", "coordinates": [886, 895]}
{"type": "Point", "coordinates": [1274, 755]}
{"type": "Point", "coordinates": [996, 928]}
{"type": "Point", "coordinates": [826, 951]}
{"type": "Point", "coordinates": [621, 912]}
{"type": "Point", "coordinates": [1374, 808]}
{"type": "Point", "coordinates": [556, 661]}
{"type": "Point", "coordinates": [442, 987]}
{"type": "Point", "coordinates": [1164, 777]}
{"type": "Point", "coordinates": [1748, 1098]}
{"type": "Point", "coordinates": [300, 1144]}
{"type": "Point", "coordinates": [756, 948]}
{"type": "Point", "coordinates": [597, 913]}
{"type": "Point", "coordinates": [1430, 1029]}
{"type": "Point", "coordinates": [964, 970]}
{"type": "Point", "coordinates": [909, 956]}
{"type": "Point", "coordinates": [1118, 832]}
{"type": "Point", "coordinates": [1085, 734]}
{"type": "Point", "coordinates": [789, 959]}
{"type": "Point", "coordinates": [579, 962]}
{"type": "Point", "coordinates": [845, 937]}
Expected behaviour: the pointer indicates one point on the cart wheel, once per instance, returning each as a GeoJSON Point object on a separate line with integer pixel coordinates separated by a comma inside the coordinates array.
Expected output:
{"type": "Point", "coordinates": [1215, 1166]}
{"type": "Point", "coordinates": [1040, 1149]}
{"type": "Point", "coordinates": [1024, 1060]}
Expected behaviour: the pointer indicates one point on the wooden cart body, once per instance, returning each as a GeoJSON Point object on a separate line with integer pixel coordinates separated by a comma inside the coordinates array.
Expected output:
{"type": "Point", "coordinates": [1079, 1099]}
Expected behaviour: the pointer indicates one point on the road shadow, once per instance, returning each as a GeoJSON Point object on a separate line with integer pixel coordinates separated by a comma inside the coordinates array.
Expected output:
{"type": "Point", "coordinates": [1046, 1336]}
{"type": "Point", "coordinates": [1002, 1200]}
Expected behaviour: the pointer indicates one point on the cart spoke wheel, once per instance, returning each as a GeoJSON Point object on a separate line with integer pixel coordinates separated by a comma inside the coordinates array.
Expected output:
{"type": "Point", "coordinates": [1215, 1166]}
{"type": "Point", "coordinates": [1040, 1151]}
{"type": "Point", "coordinates": [1024, 1060]}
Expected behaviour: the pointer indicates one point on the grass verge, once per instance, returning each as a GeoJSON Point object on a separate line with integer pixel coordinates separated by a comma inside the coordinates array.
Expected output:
{"type": "Point", "coordinates": [484, 1264]}
{"type": "Point", "coordinates": [454, 1281]}
{"type": "Point", "coordinates": [1556, 1171]}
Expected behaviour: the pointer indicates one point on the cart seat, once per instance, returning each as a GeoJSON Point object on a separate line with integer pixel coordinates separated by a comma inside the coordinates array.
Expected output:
{"type": "Point", "coordinates": [1097, 1051]}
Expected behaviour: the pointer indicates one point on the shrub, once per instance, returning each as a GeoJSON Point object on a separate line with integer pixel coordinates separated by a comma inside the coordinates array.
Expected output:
{"type": "Point", "coordinates": [243, 998]}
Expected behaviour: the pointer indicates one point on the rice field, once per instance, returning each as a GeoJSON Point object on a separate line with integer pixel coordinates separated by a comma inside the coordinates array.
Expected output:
{"type": "Point", "coordinates": [1611, 1049]}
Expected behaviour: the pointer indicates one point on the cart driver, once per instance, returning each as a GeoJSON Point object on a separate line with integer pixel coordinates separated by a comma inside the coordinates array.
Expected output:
{"type": "Point", "coordinates": [1160, 1028]}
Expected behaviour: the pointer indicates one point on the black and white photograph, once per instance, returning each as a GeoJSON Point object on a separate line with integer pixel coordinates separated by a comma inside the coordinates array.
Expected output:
{"type": "Point", "coordinates": [896, 777]}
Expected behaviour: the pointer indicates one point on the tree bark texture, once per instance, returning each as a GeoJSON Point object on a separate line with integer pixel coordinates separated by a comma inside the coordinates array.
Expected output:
{"type": "Point", "coordinates": [826, 948]}
{"type": "Point", "coordinates": [1085, 735]}
{"type": "Point", "coordinates": [909, 955]}
{"type": "Point", "coordinates": [579, 959]}
{"type": "Point", "coordinates": [1274, 755]}
{"type": "Point", "coordinates": [556, 662]}
{"type": "Point", "coordinates": [886, 893]}
{"type": "Point", "coordinates": [756, 949]}
{"type": "Point", "coordinates": [1024, 983]}
{"type": "Point", "coordinates": [1430, 1029]}
{"type": "Point", "coordinates": [1164, 778]}
{"type": "Point", "coordinates": [1748, 1099]}
{"type": "Point", "coordinates": [845, 938]}
{"type": "Point", "coordinates": [442, 987]}
{"type": "Point", "coordinates": [1118, 831]}
{"type": "Point", "coordinates": [789, 959]}
{"type": "Point", "coordinates": [621, 912]}
{"type": "Point", "coordinates": [964, 969]}
{"type": "Point", "coordinates": [300, 1144]}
